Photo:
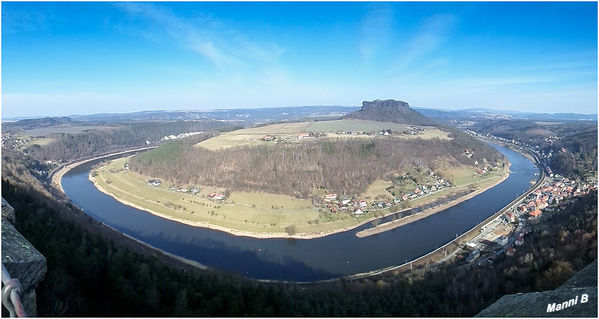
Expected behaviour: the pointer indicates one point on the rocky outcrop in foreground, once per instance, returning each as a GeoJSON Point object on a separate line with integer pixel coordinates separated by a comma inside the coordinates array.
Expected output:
{"type": "Point", "coordinates": [577, 297]}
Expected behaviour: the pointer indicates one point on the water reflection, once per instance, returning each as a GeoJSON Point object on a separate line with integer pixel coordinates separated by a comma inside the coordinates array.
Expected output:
{"type": "Point", "coordinates": [299, 259]}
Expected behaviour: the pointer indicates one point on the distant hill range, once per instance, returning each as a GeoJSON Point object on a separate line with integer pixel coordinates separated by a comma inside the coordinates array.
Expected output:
{"type": "Point", "coordinates": [483, 113]}
{"type": "Point", "coordinates": [43, 122]}
{"type": "Point", "coordinates": [378, 110]}
{"type": "Point", "coordinates": [390, 111]}
{"type": "Point", "coordinates": [239, 116]}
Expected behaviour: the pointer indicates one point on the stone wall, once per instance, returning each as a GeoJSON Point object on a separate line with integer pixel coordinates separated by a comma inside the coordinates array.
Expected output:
{"type": "Point", "coordinates": [21, 259]}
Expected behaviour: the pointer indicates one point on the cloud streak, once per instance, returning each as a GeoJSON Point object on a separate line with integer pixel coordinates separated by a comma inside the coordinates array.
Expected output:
{"type": "Point", "coordinates": [434, 32]}
{"type": "Point", "coordinates": [375, 29]}
{"type": "Point", "coordinates": [203, 34]}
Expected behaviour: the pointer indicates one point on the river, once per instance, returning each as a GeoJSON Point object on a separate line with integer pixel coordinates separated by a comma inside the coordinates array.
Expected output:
{"type": "Point", "coordinates": [299, 259]}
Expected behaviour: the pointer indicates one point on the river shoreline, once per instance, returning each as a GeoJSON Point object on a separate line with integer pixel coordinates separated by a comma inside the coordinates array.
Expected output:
{"type": "Point", "coordinates": [57, 177]}
{"type": "Point", "coordinates": [257, 277]}
{"type": "Point", "coordinates": [426, 213]}
{"type": "Point", "coordinates": [284, 235]}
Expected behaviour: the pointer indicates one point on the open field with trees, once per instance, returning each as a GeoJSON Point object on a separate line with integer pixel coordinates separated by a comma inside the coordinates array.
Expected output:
{"type": "Point", "coordinates": [41, 141]}
{"type": "Point", "coordinates": [68, 142]}
{"type": "Point", "coordinates": [265, 188]}
{"type": "Point", "coordinates": [343, 166]}
{"type": "Point", "coordinates": [251, 136]}
{"type": "Point", "coordinates": [285, 133]}
{"type": "Point", "coordinates": [242, 211]}
{"type": "Point", "coordinates": [259, 214]}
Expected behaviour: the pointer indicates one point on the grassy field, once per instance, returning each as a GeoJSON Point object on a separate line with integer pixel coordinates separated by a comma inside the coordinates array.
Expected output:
{"type": "Point", "coordinates": [355, 125]}
{"type": "Point", "coordinates": [461, 179]}
{"type": "Point", "coordinates": [250, 136]}
{"type": "Point", "coordinates": [72, 129]}
{"type": "Point", "coordinates": [244, 211]}
{"type": "Point", "coordinates": [378, 189]}
{"type": "Point", "coordinates": [288, 132]}
{"type": "Point", "coordinates": [465, 175]}
{"type": "Point", "coordinates": [41, 141]}
{"type": "Point", "coordinates": [252, 212]}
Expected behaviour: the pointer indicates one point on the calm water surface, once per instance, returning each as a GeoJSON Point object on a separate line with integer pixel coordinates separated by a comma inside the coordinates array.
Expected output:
{"type": "Point", "coordinates": [299, 259]}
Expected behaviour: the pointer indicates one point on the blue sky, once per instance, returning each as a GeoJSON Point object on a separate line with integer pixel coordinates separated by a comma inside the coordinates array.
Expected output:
{"type": "Point", "coordinates": [82, 58]}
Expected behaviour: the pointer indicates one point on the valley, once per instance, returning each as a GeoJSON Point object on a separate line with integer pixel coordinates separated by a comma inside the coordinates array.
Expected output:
{"type": "Point", "coordinates": [306, 179]}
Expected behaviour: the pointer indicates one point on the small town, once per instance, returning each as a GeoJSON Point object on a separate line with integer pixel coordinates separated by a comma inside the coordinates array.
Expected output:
{"type": "Point", "coordinates": [358, 206]}
{"type": "Point", "coordinates": [506, 232]}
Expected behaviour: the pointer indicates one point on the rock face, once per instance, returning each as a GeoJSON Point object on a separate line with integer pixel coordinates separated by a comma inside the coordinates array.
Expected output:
{"type": "Point", "coordinates": [7, 211]}
{"type": "Point", "coordinates": [21, 259]}
{"type": "Point", "coordinates": [566, 301]}
{"type": "Point", "coordinates": [390, 111]}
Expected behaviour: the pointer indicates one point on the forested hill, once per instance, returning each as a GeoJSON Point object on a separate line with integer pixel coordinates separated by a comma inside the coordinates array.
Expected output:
{"type": "Point", "coordinates": [345, 166]}
{"type": "Point", "coordinates": [390, 111]}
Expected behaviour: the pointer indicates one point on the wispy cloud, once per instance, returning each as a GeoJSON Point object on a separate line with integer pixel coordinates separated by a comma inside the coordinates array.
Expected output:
{"type": "Point", "coordinates": [375, 29]}
{"type": "Point", "coordinates": [433, 32]}
{"type": "Point", "coordinates": [203, 34]}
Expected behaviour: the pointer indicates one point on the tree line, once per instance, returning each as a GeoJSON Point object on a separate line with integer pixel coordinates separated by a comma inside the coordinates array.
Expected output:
{"type": "Point", "coordinates": [69, 146]}
{"type": "Point", "coordinates": [344, 166]}
{"type": "Point", "coordinates": [577, 138]}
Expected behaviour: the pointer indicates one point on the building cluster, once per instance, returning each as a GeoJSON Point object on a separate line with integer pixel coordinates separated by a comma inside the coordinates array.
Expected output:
{"type": "Point", "coordinates": [385, 132]}
{"type": "Point", "coordinates": [179, 189]}
{"type": "Point", "coordinates": [339, 132]}
{"type": "Point", "coordinates": [178, 136]}
{"type": "Point", "coordinates": [540, 154]}
{"type": "Point", "coordinates": [267, 138]}
{"type": "Point", "coordinates": [304, 136]}
{"type": "Point", "coordinates": [216, 196]}
{"type": "Point", "coordinates": [154, 182]}
{"type": "Point", "coordinates": [495, 138]}
{"type": "Point", "coordinates": [358, 206]}
{"type": "Point", "coordinates": [17, 142]}
{"type": "Point", "coordinates": [182, 189]}
{"type": "Point", "coordinates": [5, 139]}
{"type": "Point", "coordinates": [551, 139]}
{"type": "Point", "coordinates": [551, 192]}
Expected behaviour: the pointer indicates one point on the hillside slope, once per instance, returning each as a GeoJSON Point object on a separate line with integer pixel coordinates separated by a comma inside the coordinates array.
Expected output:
{"type": "Point", "coordinates": [345, 166]}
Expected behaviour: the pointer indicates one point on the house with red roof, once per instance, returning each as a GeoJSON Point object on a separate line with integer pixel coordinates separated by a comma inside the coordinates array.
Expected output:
{"type": "Point", "coordinates": [330, 196]}
{"type": "Point", "coordinates": [535, 216]}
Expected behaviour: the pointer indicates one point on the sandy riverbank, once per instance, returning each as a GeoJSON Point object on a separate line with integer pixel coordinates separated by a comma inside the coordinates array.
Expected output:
{"type": "Point", "coordinates": [266, 235]}
{"type": "Point", "coordinates": [426, 213]}
{"type": "Point", "coordinates": [262, 235]}
{"type": "Point", "coordinates": [57, 177]}
{"type": "Point", "coordinates": [56, 180]}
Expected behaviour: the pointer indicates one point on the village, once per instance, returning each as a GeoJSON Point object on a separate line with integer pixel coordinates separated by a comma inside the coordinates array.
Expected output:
{"type": "Point", "coordinates": [504, 234]}
{"type": "Point", "coordinates": [179, 136]}
{"type": "Point", "coordinates": [193, 190]}
{"type": "Point", "coordinates": [358, 206]}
